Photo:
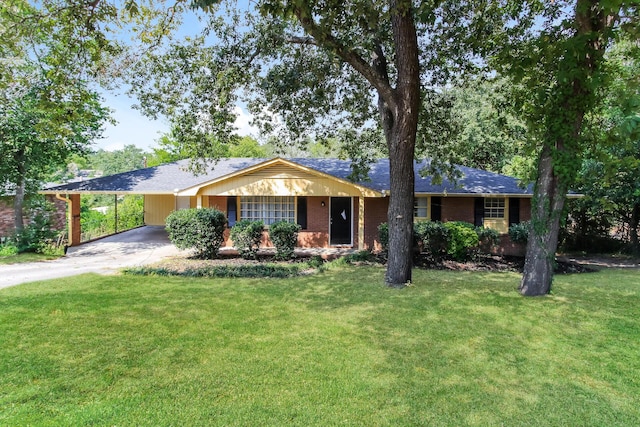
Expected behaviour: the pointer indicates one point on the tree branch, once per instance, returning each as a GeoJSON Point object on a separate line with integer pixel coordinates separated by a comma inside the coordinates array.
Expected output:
{"type": "Point", "coordinates": [324, 38]}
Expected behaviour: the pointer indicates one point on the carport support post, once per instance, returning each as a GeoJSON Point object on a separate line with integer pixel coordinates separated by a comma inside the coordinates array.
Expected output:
{"type": "Point", "coordinates": [361, 222]}
{"type": "Point", "coordinates": [74, 220]}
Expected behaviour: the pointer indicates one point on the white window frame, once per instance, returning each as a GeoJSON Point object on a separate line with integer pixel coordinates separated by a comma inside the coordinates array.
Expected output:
{"type": "Point", "coordinates": [267, 209]}
{"type": "Point", "coordinates": [495, 207]}
{"type": "Point", "coordinates": [416, 207]}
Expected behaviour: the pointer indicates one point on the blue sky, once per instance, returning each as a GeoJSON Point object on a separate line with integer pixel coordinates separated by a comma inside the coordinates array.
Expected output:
{"type": "Point", "coordinates": [134, 128]}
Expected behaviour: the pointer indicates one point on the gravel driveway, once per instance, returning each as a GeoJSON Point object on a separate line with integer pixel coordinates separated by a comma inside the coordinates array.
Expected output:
{"type": "Point", "coordinates": [136, 247]}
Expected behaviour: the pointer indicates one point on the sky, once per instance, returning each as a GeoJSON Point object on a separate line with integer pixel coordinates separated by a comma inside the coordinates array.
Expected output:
{"type": "Point", "coordinates": [132, 127]}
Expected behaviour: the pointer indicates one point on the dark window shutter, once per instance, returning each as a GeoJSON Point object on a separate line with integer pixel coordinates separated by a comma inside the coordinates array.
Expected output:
{"type": "Point", "coordinates": [232, 210]}
{"type": "Point", "coordinates": [514, 211]}
{"type": "Point", "coordinates": [478, 215]}
{"type": "Point", "coordinates": [302, 212]}
{"type": "Point", "coordinates": [436, 209]}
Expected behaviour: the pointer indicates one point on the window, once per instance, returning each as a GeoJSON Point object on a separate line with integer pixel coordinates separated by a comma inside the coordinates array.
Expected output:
{"type": "Point", "coordinates": [268, 209]}
{"type": "Point", "coordinates": [494, 207]}
{"type": "Point", "coordinates": [420, 207]}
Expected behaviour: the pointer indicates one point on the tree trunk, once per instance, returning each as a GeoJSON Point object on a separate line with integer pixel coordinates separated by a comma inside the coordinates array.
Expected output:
{"type": "Point", "coordinates": [18, 207]}
{"type": "Point", "coordinates": [401, 125]}
{"type": "Point", "coordinates": [546, 208]}
{"type": "Point", "coordinates": [634, 224]}
{"type": "Point", "coordinates": [18, 200]}
{"type": "Point", "coordinates": [563, 144]}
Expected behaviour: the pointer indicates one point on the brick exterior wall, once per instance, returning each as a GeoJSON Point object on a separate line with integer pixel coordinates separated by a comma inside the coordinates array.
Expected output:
{"type": "Point", "coordinates": [317, 232]}
{"type": "Point", "coordinates": [525, 209]}
{"type": "Point", "coordinates": [375, 213]}
{"type": "Point", "coordinates": [6, 215]}
{"type": "Point", "coordinates": [457, 209]}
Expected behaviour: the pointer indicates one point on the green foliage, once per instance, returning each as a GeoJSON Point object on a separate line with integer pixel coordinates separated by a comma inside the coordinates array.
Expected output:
{"type": "Point", "coordinates": [284, 236]}
{"type": "Point", "coordinates": [463, 238]}
{"type": "Point", "coordinates": [383, 236]}
{"type": "Point", "coordinates": [38, 233]}
{"type": "Point", "coordinates": [198, 229]}
{"type": "Point", "coordinates": [8, 249]}
{"type": "Point", "coordinates": [246, 236]}
{"type": "Point", "coordinates": [95, 223]}
{"type": "Point", "coordinates": [487, 238]}
{"type": "Point", "coordinates": [253, 270]}
{"type": "Point", "coordinates": [432, 237]}
{"type": "Point", "coordinates": [519, 233]}
{"type": "Point", "coordinates": [111, 162]}
{"type": "Point", "coordinates": [360, 256]}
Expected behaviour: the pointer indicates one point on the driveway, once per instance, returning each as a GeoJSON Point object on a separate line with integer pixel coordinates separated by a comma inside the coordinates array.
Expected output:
{"type": "Point", "coordinates": [131, 248]}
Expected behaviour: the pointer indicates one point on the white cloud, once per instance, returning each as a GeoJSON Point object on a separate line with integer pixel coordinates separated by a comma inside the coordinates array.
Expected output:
{"type": "Point", "coordinates": [242, 123]}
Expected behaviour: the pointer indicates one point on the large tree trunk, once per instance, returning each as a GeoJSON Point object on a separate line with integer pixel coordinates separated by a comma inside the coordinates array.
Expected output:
{"type": "Point", "coordinates": [18, 207]}
{"type": "Point", "coordinates": [575, 97]}
{"type": "Point", "coordinates": [634, 224]}
{"type": "Point", "coordinates": [18, 200]}
{"type": "Point", "coordinates": [548, 202]}
{"type": "Point", "coordinates": [400, 126]}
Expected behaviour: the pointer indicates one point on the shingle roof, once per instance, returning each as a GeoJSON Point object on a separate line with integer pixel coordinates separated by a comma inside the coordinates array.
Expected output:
{"type": "Point", "coordinates": [167, 178]}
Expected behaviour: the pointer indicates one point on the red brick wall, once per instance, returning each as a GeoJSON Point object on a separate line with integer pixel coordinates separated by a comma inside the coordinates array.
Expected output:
{"type": "Point", "coordinates": [6, 215]}
{"type": "Point", "coordinates": [317, 232]}
{"type": "Point", "coordinates": [457, 209]}
{"type": "Point", "coordinates": [375, 213]}
{"type": "Point", "coordinates": [525, 209]}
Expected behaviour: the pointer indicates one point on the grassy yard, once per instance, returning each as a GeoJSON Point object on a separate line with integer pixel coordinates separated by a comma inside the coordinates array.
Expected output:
{"type": "Point", "coordinates": [26, 257]}
{"type": "Point", "coordinates": [336, 348]}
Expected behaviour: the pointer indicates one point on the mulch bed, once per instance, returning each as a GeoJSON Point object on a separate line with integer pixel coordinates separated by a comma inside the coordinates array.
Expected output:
{"type": "Point", "coordinates": [503, 263]}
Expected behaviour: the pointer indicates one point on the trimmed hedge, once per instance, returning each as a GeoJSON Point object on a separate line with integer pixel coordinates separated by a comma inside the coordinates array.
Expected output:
{"type": "Point", "coordinates": [198, 229]}
{"type": "Point", "coordinates": [284, 236]}
{"type": "Point", "coordinates": [519, 233]}
{"type": "Point", "coordinates": [432, 237]}
{"type": "Point", "coordinates": [246, 236]}
{"type": "Point", "coordinates": [463, 237]}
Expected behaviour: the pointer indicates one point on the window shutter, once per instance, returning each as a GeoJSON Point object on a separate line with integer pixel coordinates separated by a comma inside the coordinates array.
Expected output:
{"type": "Point", "coordinates": [436, 208]}
{"type": "Point", "coordinates": [514, 210]}
{"type": "Point", "coordinates": [302, 212]}
{"type": "Point", "coordinates": [478, 215]}
{"type": "Point", "coordinates": [232, 210]}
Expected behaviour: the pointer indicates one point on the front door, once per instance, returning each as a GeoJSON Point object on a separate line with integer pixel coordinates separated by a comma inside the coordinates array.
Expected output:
{"type": "Point", "coordinates": [340, 229]}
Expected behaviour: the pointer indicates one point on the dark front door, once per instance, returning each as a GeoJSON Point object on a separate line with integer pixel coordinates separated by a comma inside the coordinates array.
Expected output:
{"type": "Point", "coordinates": [340, 221]}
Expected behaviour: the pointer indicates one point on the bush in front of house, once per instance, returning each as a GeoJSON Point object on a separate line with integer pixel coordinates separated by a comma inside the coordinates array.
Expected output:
{"type": "Point", "coordinates": [284, 236]}
{"type": "Point", "coordinates": [432, 237]}
{"type": "Point", "coordinates": [246, 236]}
{"type": "Point", "coordinates": [198, 229]}
{"type": "Point", "coordinates": [487, 238]}
{"type": "Point", "coordinates": [383, 236]}
{"type": "Point", "coordinates": [519, 233]}
{"type": "Point", "coordinates": [463, 238]}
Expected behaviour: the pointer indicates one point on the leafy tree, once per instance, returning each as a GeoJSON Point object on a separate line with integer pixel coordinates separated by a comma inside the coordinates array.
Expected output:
{"type": "Point", "coordinates": [117, 161]}
{"type": "Point", "coordinates": [559, 67]}
{"type": "Point", "coordinates": [310, 68]}
{"type": "Point", "coordinates": [39, 130]}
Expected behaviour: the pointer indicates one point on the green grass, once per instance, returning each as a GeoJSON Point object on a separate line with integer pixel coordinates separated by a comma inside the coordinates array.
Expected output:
{"type": "Point", "coordinates": [26, 257]}
{"type": "Point", "coordinates": [336, 348]}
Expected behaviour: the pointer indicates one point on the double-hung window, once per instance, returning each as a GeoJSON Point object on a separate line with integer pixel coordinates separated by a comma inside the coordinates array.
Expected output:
{"type": "Point", "coordinates": [494, 207]}
{"type": "Point", "coordinates": [420, 207]}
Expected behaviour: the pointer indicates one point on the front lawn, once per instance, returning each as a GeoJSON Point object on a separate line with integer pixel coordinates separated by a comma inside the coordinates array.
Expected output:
{"type": "Point", "coordinates": [26, 257]}
{"type": "Point", "coordinates": [335, 348]}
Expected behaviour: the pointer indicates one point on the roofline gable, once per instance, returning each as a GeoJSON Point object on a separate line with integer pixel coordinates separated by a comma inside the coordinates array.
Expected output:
{"type": "Point", "coordinates": [193, 190]}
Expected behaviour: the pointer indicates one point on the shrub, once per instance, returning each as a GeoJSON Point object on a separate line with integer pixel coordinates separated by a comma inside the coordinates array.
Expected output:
{"type": "Point", "coordinates": [198, 229]}
{"type": "Point", "coordinates": [519, 233]}
{"type": "Point", "coordinates": [432, 237]}
{"type": "Point", "coordinates": [8, 249]}
{"type": "Point", "coordinates": [284, 236]}
{"type": "Point", "coordinates": [487, 238]}
{"type": "Point", "coordinates": [383, 236]}
{"type": "Point", "coordinates": [463, 237]}
{"type": "Point", "coordinates": [246, 236]}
